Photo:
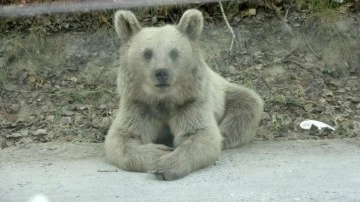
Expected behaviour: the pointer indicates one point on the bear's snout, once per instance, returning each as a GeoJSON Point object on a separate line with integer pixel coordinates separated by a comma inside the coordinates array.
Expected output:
{"type": "Point", "coordinates": [162, 76]}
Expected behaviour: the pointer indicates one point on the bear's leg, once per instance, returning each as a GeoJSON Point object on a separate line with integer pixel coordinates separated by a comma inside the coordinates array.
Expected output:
{"type": "Point", "coordinates": [128, 152]}
{"type": "Point", "coordinates": [197, 144]}
{"type": "Point", "coordinates": [243, 108]}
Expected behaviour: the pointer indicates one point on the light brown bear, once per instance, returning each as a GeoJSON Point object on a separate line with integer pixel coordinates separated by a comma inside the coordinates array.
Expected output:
{"type": "Point", "coordinates": [175, 114]}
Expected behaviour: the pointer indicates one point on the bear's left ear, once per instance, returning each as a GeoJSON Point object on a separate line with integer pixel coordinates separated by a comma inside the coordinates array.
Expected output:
{"type": "Point", "coordinates": [126, 24]}
{"type": "Point", "coordinates": [191, 24]}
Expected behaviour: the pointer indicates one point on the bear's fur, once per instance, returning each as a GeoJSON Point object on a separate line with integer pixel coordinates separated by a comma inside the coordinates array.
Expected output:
{"type": "Point", "coordinates": [175, 113]}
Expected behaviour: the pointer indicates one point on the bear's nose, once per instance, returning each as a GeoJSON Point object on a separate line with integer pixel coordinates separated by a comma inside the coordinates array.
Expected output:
{"type": "Point", "coordinates": [162, 75]}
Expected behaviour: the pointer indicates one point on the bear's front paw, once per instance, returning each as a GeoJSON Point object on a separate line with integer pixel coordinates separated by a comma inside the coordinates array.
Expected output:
{"type": "Point", "coordinates": [169, 168]}
{"type": "Point", "coordinates": [150, 155]}
{"type": "Point", "coordinates": [166, 175]}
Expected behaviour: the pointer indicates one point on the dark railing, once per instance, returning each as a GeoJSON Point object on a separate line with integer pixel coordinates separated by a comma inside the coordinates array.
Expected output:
{"type": "Point", "coordinates": [87, 6]}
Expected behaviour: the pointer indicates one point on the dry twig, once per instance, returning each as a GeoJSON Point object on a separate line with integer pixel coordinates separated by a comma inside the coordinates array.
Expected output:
{"type": "Point", "coordinates": [312, 50]}
{"type": "Point", "coordinates": [230, 28]}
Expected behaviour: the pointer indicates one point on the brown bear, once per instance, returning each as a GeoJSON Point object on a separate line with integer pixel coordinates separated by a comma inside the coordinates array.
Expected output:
{"type": "Point", "coordinates": [175, 113]}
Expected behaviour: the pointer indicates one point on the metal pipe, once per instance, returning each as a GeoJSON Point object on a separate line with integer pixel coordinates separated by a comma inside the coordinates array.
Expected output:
{"type": "Point", "coordinates": [87, 6]}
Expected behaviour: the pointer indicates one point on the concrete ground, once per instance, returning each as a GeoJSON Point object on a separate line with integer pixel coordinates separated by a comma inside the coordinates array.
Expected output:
{"type": "Point", "coordinates": [326, 170]}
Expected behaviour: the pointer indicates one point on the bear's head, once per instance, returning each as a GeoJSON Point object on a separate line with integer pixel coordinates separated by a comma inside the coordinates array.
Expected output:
{"type": "Point", "coordinates": [160, 62]}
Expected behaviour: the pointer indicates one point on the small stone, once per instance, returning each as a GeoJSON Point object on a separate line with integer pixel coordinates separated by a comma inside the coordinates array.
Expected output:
{"type": "Point", "coordinates": [258, 54]}
{"type": "Point", "coordinates": [82, 107]}
{"type": "Point", "coordinates": [40, 132]}
{"type": "Point", "coordinates": [22, 133]}
{"type": "Point", "coordinates": [252, 11]}
{"type": "Point", "coordinates": [26, 140]}
{"type": "Point", "coordinates": [322, 100]}
{"type": "Point", "coordinates": [50, 118]}
{"type": "Point", "coordinates": [309, 107]}
{"type": "Point", "coordinates": [66, 121]}
{"type": "Point", "coordinates": [68, 113]}
{"type": "Point", "coordinates": [15, 107]}
{"type": "Point", "coordinates": [231, 68]}
{"type": "Point", "coordinates": [336, 83]}
{"type": "Point", "coordinates": [14, 135]}
{"type": "Point", "coordinates": [259, 67]}
{"type": "Point", "coordinates": [105, 122]}
{"type": "Point", "coordinates": [103, 106]}
{"type": "Point", "coordinates": [79, 120]}
{"type": "Point", "coordinates": [64, 83]}
{"type": "Point", "coordinates": [44, 108]}
{"type": "Point", "coordinates": [265, 116]}
{"type": "Point", "coordinates": [25, 132]}
{"type": "Point", "coordinates": [329, 94]}
{"type": "Point", "coordinates": [96, 122]}
{"type": "Point", "coordinates": [154, 19]}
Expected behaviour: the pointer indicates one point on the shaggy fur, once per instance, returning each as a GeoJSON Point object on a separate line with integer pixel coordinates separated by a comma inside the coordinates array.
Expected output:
{"type": "Point", "coordinates": [177, 121]}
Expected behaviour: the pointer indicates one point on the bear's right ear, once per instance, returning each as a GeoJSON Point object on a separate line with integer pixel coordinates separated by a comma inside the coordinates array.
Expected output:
{"type": "Point", "coordinates": [191, 24]}
{"type": "Point", "coordinates": [126, 24]}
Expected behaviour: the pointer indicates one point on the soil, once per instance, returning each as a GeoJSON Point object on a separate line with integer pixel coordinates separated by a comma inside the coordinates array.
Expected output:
{"type": "Point", "coordinates": [61, 86]}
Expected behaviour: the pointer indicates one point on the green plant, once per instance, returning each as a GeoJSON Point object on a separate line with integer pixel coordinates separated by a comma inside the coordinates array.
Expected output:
{"type": "Point", "coordinates": [80, 95]}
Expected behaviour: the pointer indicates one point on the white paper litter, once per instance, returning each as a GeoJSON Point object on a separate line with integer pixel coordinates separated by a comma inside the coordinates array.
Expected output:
{"type": "Point", "coordinates": [308, 123]}
{"type": "Point", "coordinates": [39, 198]}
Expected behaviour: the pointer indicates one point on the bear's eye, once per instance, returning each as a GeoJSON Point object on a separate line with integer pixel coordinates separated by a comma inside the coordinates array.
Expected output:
{"type": "Point", "coordinates": [174, 54]}
{"type": "Point", "coordinates": [148, 54]}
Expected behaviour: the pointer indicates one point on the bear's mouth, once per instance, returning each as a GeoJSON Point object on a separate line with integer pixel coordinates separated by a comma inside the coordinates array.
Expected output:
{"type": "Point", "coordinates": [162, 86]}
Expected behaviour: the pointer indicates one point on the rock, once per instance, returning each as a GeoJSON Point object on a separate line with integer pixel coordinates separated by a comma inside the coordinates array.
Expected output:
{"type": "Point", "coordinates": [335, 82]}
{"type": "Point", "coordinates": [40, 132]}
{"type": "Point", "coordinates": [14, 135]}
{"type": "Point", "coordinates": [322, 100]}
{"type": "Point", "coordinates": [329, 93]}
{"type": "Point", "coordinates": [103, 106]}
{"type": "Point", "coordinates": [50, 118]}
{"type": "Point", "coordinates": [83, 107]}
{"type": "Point", "coordinates": [309, 107]}
{"type": "Point", "coordinates": [25, 132]}
{"type": "Point", "coordinates": [105, 122]}
{"type": "Point", "coordinates": [26, 140]}
{"type": "Point", "coordinates": [67, 113]}
{"type": "Point", "coordinates": [96, 122]}
{"type": "Point", "coordinates": [252, 11]}
{"type": "Point", "coordinates": [101, 123]}
{"type": "Point", "coordinates": [66, 121]}
{"type": "Point", "coordinates": [44, 108]}
{"type": "Point", "coordinates": [265, 116]}
{"type": "Point", "coordinates": [14, 108]}
{"type": "Point", "coordinates": [80, 120]}
{"type": "Point", "coordinates": [258, 67]}
{"type": "Point", "coordinates": [22, 133]}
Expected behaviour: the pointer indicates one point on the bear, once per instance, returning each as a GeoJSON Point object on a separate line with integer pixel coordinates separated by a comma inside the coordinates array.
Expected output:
{"type": "Point", "coordinates": [175, 113]}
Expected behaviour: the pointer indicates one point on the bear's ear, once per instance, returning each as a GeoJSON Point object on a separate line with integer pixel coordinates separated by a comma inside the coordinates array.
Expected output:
{"type": "Point", "coordinates": [126, 24]}
{"type": "Point", "coordinates": [191, 24]}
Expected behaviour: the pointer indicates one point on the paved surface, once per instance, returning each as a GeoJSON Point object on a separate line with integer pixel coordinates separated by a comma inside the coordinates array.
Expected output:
{"type": "Point", "coordinates": [262, 171]}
